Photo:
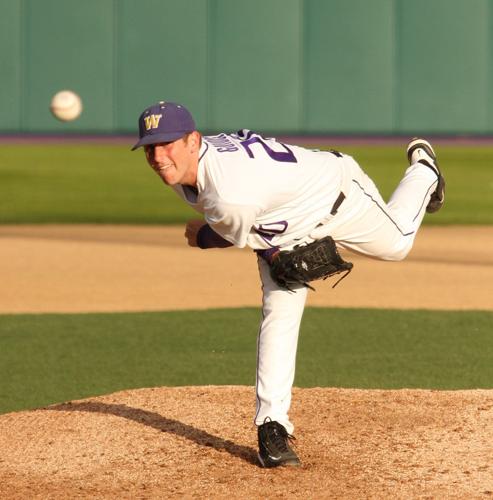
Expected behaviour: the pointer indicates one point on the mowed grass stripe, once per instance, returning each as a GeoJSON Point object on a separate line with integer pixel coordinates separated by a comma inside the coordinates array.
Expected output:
{"type": "Point", "coordinates": [50, 358]}
{"type": "Point", "coordinates": [110, 184]}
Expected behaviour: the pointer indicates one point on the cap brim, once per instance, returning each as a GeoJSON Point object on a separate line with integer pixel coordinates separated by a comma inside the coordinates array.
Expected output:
{"type": "Point", "coordinates": [157, 138]}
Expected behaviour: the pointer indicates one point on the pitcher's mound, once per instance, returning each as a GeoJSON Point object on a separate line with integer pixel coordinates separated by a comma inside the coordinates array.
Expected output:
{"type": "Point", "coordinates": [200, 441]}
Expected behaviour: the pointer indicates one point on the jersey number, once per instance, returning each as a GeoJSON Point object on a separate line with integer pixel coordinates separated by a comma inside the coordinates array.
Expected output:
{"type": "Point", "coordinates": [283, 156]}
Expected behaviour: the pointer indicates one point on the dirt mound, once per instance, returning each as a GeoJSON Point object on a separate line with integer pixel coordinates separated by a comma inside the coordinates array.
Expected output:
{"type": "Point", "coordinates": [200, 441]}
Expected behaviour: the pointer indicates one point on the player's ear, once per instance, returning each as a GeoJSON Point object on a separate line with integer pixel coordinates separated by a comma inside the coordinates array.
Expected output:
{"type": "Point", "coordinates": [195, 139]}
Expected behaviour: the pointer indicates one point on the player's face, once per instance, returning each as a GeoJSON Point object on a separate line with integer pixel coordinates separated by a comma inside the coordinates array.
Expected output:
{"type": "Point", "coordinates": [175, 162]}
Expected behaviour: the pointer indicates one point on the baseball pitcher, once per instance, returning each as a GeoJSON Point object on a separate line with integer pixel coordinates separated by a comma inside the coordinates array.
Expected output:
{"type": "Point", "coordinates": [294, 207]}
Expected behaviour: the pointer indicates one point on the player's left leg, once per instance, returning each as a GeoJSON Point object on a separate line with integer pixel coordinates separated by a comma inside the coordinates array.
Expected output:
{"type": "Point", "coordinates": [282, 311]}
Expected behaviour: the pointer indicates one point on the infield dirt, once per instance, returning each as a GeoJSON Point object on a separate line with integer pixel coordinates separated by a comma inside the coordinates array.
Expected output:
{"type": "Point", "coordinates": [189, 442]}
{"type": "Point", "coordinates": [134, 268]}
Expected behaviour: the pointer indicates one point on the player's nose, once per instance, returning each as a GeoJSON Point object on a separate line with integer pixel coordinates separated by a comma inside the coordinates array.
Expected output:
{"type": "Point", "coordinates": [159, 154]}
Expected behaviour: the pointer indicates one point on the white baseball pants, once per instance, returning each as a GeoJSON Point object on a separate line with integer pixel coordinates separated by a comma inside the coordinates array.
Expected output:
{"type": "Point", "coordinates": [364, 224]}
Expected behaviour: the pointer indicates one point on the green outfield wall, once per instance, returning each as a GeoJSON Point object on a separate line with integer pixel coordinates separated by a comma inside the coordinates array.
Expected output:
{"type": "Point", "coordinates": [289, 66]}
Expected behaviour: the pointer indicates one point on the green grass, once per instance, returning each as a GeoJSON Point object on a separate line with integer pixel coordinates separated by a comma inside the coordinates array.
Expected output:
{"type": "Point", "coordinates": [110, 184]}
{"type": "Point", "coordinates": [51, 358]}
{"type": "Point", "coordinates": [83, 183]}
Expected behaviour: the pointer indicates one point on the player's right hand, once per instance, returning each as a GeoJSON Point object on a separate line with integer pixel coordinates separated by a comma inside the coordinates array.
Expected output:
{"type": "Point", "coordinates": [191, 230]}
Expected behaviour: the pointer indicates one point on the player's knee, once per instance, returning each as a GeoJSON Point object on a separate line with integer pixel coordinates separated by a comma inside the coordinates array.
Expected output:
{"type": "Point", "coordinates": [398, 254]}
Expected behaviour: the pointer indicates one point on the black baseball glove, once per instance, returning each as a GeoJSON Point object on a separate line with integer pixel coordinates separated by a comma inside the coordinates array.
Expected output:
{"type": "Point", "coordinates": [317, 260]}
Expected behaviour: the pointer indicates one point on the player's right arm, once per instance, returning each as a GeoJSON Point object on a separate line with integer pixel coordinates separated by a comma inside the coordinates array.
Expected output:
{"type": "Point", "coordinates": [233, 222]}
{"type": "Point", "coordinates": [199, 234]}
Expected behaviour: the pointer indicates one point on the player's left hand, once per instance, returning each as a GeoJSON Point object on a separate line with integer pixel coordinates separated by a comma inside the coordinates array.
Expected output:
{"type": "Point", "coordinates": [191, 230]}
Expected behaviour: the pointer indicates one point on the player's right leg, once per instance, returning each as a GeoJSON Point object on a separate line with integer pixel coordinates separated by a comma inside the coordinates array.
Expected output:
{"type": "Point", "coordinates": [420, 151]}
{"type": "Point", "coordinates": [421, 190]}
{"type": "Point", "coordinates": [366, 224]}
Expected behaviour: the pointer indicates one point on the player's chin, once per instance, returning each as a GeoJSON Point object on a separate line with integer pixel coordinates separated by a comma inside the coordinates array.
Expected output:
{"type": "Point", "coordinates": [168, 182]}
{"type": "Point", "coordinates": [169, 177]}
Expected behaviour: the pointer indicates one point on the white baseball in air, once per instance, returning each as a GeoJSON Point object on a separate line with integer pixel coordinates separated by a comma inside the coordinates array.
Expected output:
{"type": "Point", "coordinates": [66, 105]}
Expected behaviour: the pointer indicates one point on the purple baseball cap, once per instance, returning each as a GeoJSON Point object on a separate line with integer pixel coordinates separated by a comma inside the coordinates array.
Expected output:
{"type": "Point", "coordinates": [164, 122]}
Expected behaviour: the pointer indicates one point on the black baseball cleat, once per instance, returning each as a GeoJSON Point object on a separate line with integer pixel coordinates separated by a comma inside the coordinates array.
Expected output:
{"type": "Point", "coordinates": [273, 444]}
{"type": "Point", "coordinates": [420, 150]}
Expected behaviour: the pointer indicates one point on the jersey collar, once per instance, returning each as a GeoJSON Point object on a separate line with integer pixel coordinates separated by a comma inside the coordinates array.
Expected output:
{"type": "Point", "coordinates": [201, 167]}
{"type": "Point", "coordinates": [204, 147]}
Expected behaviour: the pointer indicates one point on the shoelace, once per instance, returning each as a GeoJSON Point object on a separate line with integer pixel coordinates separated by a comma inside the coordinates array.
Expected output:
{"type": "Point", "coordinates": [278, 436]}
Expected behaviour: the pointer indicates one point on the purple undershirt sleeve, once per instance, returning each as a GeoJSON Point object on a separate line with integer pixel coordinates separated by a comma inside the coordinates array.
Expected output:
{"type": "Point", "coordinates": [208, 238]}
{"type": "Point", "coordinates": [268, 254]}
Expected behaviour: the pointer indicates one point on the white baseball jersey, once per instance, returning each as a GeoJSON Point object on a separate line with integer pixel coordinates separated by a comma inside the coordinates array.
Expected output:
{"type": "Point", "coordinates": [258, 192]}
